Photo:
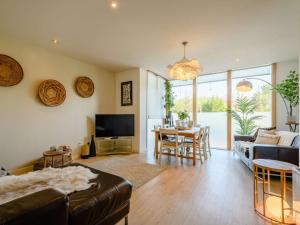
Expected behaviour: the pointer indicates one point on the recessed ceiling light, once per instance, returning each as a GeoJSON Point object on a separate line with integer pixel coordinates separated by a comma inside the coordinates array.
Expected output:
{"type": "Point", "coordinates": [114, 4]}
{"type": "Point", "coordinates": [55, 41]}
{"type": "Point", "coordinates": [237, 59]}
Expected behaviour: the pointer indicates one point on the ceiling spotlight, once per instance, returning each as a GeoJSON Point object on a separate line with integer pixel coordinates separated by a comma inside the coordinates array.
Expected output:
{"type": "Point", "coordinates": [55, 41]}
{"type": "Point", "coordinates": [113, 4]}
{"type": "Point", "coordinates": [237, 59]}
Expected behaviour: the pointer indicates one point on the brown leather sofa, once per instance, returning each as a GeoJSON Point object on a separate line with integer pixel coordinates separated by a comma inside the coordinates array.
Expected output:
{"type": "Point", "coordinates": [105, 203]}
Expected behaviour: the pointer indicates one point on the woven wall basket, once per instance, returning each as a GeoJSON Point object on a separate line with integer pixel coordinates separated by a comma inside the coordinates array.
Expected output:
{"type": "Point", "coordinates": [52, 93]}
{"type": "Point", "coordinates": [11, 72]}
{"type": "Point", "coordinates": [84, 87]}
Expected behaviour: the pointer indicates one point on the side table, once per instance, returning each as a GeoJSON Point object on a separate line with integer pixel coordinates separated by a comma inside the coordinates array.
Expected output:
{"type": "Point", "coordinates": [273, 206]}
{"type": "Point", "coordinates": [52, 154]}
{"type": "Point", "coordinates": [292, 125]}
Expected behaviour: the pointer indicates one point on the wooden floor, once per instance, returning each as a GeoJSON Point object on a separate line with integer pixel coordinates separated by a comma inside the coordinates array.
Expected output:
{"type": "Point", "coordinates": [219, 192]}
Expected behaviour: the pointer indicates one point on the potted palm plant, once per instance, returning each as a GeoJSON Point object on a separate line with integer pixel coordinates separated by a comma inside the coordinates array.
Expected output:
{"type": "Point", "coordinates": [244, 115]}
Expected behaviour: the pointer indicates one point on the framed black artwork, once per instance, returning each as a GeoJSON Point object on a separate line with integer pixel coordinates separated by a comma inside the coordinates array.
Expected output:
{"type": "Point", "coordinates": [126, 93]}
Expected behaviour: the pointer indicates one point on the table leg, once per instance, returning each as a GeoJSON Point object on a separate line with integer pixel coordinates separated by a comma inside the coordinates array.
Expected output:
{"type": "Point", "coordinates": [156, 145]}
{"type": "Point", "coordinates": [255, 177]}
{"type": "Point", "coordinates": [263, 189]}
{"type": "Point", "coordinates": [62, 160]}
{"type": "Point", "coordinates": [269, 182]}
{"type": "Point", "coordinates": [52, 162]}
{"type": "Point", "coordinates": [45, 162]}
{"type": "Point", "coordinates": [194, 150]}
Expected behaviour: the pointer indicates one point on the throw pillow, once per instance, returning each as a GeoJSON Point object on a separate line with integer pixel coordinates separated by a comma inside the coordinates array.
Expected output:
{"type": "Point", "coordinates": [267, 139]}
{"type": "Point", "coordinates": [286, 137]}
{"type": "Point", "coordinates": [271, 132]}
{"type": "Point", "coordinates": [268, 128]}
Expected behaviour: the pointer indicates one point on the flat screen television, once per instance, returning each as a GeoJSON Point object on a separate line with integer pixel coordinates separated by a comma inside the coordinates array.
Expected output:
{"type": "Point", "coordinates": [114, 125]}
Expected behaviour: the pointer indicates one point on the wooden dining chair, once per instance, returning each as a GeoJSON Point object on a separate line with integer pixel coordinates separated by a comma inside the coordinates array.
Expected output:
{"type": "Point", "coordinates": [204, 143]}
{"type": "Point", "coordinates": [170, 140]}
{"type": "Point", "coordinates": [207, 133]}
{"type": "Point", "coordinates": [188, 144]}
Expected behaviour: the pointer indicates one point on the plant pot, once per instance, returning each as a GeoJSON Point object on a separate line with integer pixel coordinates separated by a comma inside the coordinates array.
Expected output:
{"type": "Point", "coordinates": [169, 119]}
{"type": "Point", "coordinates": [182, 123]}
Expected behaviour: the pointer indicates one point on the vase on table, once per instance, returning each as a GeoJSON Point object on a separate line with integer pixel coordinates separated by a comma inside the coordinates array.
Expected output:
{"type": "Point", "coordinates": [92, 147]}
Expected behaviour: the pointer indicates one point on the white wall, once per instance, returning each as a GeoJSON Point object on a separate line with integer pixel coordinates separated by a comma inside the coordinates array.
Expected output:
{"type": "Point", "coordinates": [143, 109]}
{"type": "Point", "coordinates": [27, 127]}
{"type": "Point", "coordinates": [129, 75]}
{"type": "Point", "coordinates": [139, 92]}
{"type": "Point", "coordinates": [283, 69]}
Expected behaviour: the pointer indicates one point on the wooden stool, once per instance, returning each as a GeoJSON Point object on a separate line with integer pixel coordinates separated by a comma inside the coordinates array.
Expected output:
{"type": "Point", "coordinates": [53, 154]}
{"type": "Point", "coordinates": [262, 170]}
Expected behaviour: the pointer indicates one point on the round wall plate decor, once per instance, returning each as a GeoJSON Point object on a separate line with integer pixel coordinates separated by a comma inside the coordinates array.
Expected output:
{"type": "Point", "coordinates": [84, 87]}
{"type": "Point", "coordinates": [52, 93]}
{"type": "Point", "coordinates": [11, 72]}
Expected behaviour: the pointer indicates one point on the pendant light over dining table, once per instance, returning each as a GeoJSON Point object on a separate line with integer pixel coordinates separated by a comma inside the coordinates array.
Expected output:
{"type": "Point", "coordinates": [185, 69]}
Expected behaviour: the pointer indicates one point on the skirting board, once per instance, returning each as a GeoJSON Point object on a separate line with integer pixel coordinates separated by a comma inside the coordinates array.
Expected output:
{"type": "Point", "coordinates": [22, 170]}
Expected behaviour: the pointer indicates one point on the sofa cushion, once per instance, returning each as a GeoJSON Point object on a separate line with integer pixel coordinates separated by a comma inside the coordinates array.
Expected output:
{"type": "Point", "coordinates": [295, 143]}
{"type": "Point", "coordinates": [266, 128]}
{"type": "Point", "coordinates": [261, 131]}
{"type": "Point", "coordinates": [268, 139]}
{"type": "Point", "coordinates": [286, 137]}
{"type": "Point", "coordinates": [47, 207]}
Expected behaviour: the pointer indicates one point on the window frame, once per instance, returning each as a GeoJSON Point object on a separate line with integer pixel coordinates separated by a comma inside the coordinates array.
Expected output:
{"type": "Point", "coordinates": [229, 100]}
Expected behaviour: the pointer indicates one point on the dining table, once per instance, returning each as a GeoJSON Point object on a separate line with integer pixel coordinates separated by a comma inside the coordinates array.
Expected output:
{"type": "Point", "coordinates": [189, 133]}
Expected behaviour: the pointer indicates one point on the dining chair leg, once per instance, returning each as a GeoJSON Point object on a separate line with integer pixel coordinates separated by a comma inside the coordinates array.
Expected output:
{"type": "Point", "coordinates": [209, 150]}
{"type": "Point", "coordinates": [200, 156]}
{"type": "Point", "coordinates": [186, 151]}
{"type": "Point", "coordinates": [176, 155]}
{"type": "Point", "coordinates": [205, 150]}
{"type": "Point", "coordinates": [160, 153]}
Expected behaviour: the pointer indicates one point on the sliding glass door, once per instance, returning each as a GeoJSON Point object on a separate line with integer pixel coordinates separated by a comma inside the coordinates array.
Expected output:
{"type": "Point", "coordinates": [183, 98]}
{"type": "Point", "coordinates": [260, 97]}
{"type": "Point", "coordinates": [155, 106]}
{"type": "Point", "coordinates": [208, 99]}
{"type": "Point", "coordinates": [212, 107]}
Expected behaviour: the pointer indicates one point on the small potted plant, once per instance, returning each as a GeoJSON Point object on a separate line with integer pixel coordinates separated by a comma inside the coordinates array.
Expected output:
{"type": "Point", "coordinates": [289, 90]}
{"type": "Point", "coordinates": [183, 119]}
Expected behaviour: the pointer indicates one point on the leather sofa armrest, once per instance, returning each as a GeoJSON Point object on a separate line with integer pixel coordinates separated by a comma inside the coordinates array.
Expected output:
{"type": "Point", "coordinates": [248, 138]}
{"type": "Point", "coordinates": [47, 207]}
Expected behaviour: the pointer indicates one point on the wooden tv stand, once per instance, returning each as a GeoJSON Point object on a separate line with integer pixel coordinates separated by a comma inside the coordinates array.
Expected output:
{"type": "Point", "coordinates": [109, 146]}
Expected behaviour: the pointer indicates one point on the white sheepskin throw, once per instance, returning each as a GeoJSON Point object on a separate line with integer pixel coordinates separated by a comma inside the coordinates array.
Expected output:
{"type": "Point", "coordinates": [66, 180]}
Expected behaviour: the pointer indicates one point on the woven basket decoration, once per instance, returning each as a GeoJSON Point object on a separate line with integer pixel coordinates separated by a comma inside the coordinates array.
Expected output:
{"type": "Point", "coordinates": [52, 93]}
{"type": "Point", "coordinates": [84, 87]}
{"type": "Point", "coordinates": [11, 72]}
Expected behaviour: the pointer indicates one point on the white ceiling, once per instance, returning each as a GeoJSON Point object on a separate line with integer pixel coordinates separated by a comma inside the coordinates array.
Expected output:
{"type": "Point", "coordinates": [148, 33]}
